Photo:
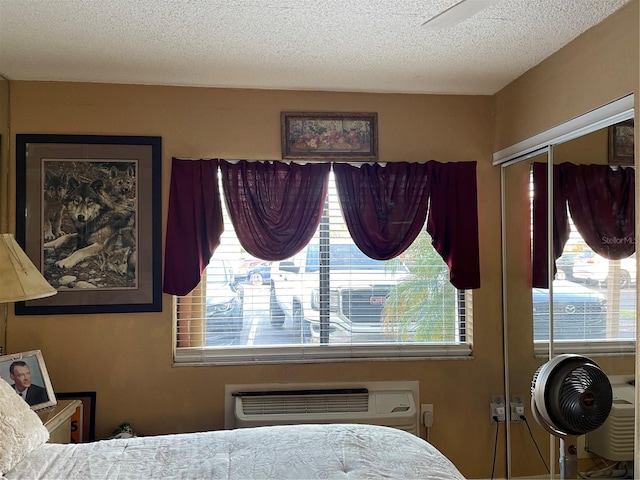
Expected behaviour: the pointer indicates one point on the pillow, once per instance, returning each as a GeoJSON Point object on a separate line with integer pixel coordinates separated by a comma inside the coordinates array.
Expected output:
{"type": "Point", "coordinates": [21, 430]}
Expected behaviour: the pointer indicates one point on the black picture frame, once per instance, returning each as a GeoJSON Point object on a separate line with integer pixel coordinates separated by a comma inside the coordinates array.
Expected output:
{"type": "Point", "coordinates": [88, 430]}
{"type": "Point", "coordinates": [111, 261]}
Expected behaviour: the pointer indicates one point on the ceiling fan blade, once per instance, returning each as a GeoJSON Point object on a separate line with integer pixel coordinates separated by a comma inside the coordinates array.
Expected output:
{"type": "Point", "coordinates": [457, 13]}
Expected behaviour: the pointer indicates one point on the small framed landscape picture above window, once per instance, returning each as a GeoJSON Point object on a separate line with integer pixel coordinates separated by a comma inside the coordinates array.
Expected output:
{"type": "Point", "coordinates": [326, 135]}
{"type": "Point", "coordinates": [27, 375]}
{"type": "Point", "coordinates": [621, 143]}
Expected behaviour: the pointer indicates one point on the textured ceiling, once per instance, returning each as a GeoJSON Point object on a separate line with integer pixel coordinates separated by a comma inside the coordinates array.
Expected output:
{"type": "Point", "coordinates": [335, 45]}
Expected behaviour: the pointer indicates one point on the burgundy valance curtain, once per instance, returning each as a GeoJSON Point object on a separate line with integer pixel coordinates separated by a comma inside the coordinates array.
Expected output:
{"type": "Point", "coordinates": [540, 226]}
{"type": "Point", "coordinates": [384, 206]}
{"type": "Point", "coordinates": [601, 201]}
{"type": "Point", "coordinates": [276, 208]}
{"type": "Point", "coordinates": [602, 205]}
{"type": "Point", "coordinates": [453, 220]}
{"type": "Point", "coordinates": [194, 223]}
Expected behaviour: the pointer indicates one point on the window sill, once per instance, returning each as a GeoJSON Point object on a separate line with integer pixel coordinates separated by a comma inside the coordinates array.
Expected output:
{"type": "Point", "coordinates": [602, 348]}
{"type": "Point", "coordinates": [315, 354]}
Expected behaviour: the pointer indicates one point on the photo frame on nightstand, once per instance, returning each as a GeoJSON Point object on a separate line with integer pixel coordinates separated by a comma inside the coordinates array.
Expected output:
{"type": "Point", "coordinates": [27, 373]}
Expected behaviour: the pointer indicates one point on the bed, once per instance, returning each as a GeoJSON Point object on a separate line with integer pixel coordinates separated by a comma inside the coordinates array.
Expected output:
{"type": "Point", "coordinates": [330, 451]}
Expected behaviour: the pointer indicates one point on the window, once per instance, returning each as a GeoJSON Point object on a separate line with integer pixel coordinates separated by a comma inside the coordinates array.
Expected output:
{"type": "Point", "coordinates": [329, 301]}
{"type": "Point", "coordinates": [594, 302]}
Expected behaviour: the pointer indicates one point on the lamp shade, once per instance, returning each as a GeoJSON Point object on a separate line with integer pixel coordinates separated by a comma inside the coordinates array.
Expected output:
{"type": "Point", "coordinates": [20, 280]}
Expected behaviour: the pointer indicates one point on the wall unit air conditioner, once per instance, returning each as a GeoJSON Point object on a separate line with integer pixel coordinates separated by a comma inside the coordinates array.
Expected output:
{"type": "Point", "coordinates": [614, 439]}
{"type": "Point", "coordinates": [391, 404]}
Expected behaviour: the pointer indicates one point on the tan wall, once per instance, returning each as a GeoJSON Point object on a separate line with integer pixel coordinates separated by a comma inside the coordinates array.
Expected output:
{"type": "Point", "coordinates": [126, 359]}
{"type": "Point", "coordinates": [598, 67]}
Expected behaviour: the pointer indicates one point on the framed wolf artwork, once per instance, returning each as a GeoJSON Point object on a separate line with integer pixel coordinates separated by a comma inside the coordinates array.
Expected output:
{"type": "Point", "coordinates": [88, 214]}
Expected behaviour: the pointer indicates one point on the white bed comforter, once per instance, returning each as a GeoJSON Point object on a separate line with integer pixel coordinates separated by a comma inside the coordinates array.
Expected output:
{"type": "Point", "coordinates": [281, 452]}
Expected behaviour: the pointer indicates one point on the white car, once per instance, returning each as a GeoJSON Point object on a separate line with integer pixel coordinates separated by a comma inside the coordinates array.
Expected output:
{"type": "Point", "coordinates": [593, 268]}
{"type": "Point", "coordinates": [225, 304]}
{"type": "Point", "coordinates": [359, 290]}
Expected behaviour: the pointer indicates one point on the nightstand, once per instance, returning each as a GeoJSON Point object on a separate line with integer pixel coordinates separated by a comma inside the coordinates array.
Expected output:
{"type": "Point", "coordinates": [58, 420]}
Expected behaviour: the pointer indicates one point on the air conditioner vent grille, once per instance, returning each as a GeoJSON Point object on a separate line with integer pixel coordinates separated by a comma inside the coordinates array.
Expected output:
{"type": "Point", "coordinates": [291, 404]}
{"type": "Point", "coordinates": [614, 440]}
{"type": "Point", "coordinates": [392, 404]}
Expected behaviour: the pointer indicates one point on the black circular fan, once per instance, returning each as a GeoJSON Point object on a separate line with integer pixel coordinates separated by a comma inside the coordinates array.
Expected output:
{"type": "Point", "coordinates": [570, 395]}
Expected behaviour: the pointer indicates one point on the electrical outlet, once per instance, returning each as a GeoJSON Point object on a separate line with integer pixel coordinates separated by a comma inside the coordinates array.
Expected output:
{"type": "Point", "coordinates": [517, 407]}
{"type": "Point", "coordinates": [426, 414]}
{"type": "Point", "coordinates": [497, 409]}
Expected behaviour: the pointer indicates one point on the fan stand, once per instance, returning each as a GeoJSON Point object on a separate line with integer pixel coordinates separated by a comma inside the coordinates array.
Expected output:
{"type": "Point", "coordinates": [568, 457]}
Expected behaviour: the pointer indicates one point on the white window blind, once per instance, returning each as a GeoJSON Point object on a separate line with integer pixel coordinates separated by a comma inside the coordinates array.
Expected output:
{"type": "Point", "coordinates": [327, 302]}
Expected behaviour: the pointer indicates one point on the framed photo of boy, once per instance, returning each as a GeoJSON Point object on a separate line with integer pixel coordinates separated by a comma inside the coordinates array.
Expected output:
{"type": "Point", "coordinates": [27, 374]}
{"type": "Point", "coordinates": [88, 215]}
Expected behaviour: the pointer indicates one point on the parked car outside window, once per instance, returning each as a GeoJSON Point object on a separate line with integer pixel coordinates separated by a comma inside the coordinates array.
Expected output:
{"type": "Point", "coordinates": [225, 304]}
{"type": "Point", "coordinates": [564, 265]}
{"type": "Point", "coordinates": [359, 290]}
{"type": "Point", "coordinates": [579, 313]}
{"type": "Point", "coordinates": [259, 274]}
{"type": "Point", "coordinates": [595, 269]}
{"type": "Point", "coordinates": [242, 269]}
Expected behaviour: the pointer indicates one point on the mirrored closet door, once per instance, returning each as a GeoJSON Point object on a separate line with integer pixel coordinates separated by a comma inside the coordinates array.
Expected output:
{"type": "Point", "coordinates": [584, 301]}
